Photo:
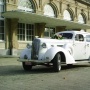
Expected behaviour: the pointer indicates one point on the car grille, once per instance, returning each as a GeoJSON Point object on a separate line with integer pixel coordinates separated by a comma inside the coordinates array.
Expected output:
{"type": "Point", "coordinates": [35, 49]}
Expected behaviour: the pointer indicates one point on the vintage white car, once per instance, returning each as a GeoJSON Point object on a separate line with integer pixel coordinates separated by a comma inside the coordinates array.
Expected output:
{"type": "Point", "coordinates": [67, 47]}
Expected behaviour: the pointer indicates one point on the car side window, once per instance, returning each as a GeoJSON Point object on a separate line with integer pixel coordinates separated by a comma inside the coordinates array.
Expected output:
{"type": "Point", "coordinates": [87, 38]}
{"type": "Point", "coordinates": [79, 37]}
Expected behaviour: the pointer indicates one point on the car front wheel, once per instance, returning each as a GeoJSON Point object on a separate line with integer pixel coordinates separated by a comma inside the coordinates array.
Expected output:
{"type": "Point", "coordinates": [26, 67]}
{"type": "Point", "coordinates": [57, 62]}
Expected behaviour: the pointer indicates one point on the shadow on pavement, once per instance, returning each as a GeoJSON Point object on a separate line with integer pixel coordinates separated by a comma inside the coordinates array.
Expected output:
{"type": "Point", "coordinates": [18, 70]}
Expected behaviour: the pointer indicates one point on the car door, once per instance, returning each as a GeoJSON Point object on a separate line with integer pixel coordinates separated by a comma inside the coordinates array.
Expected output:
{"type": "Point", "coordinates": [87, 46]}
{"type": "Point", "coordinates": [79, 47]}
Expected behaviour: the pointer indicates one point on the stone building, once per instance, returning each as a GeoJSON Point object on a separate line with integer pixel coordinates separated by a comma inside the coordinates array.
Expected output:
{"type": "Point", "coordinates": [22, 20]}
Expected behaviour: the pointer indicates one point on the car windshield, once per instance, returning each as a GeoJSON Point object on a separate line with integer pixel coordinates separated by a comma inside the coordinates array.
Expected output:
{"type": "Point", "coordinates": [63, 36]}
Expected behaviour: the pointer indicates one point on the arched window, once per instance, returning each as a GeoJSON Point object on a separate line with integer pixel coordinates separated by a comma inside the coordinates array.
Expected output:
{"type": "Point", "coordinates": [81, 19]}
{"type": "Point", "coordinates": [67, 15]}
{"type": "Point", "coordinates": [49, 11]}
{"type": "Point", "coordinates": [26, 5]}
{"type": "Point", "coordinates": [2, 9]}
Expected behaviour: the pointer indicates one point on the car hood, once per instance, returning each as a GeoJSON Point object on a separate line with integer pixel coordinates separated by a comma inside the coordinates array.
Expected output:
{"type": "Point", "coordinates": [55, 41]}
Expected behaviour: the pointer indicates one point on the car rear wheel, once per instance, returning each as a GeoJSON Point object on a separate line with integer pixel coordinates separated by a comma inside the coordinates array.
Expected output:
{"type": "Point", "coordinates": [26, 67]}
{"type": "Point", "coordinates": [57, 62]}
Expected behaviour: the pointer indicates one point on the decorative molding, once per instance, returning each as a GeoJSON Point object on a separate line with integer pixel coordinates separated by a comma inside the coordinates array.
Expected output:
{"type": "Point", "coordinates": [87, 2]}
{"type": "Point", "coordinates": [50, 1]}
{"type": "Point", "coordinates": [40, 2]}
{"type": "Point", "coordinates": [60, 7]}
{"type": "Point", "coordinates": [76, 12]}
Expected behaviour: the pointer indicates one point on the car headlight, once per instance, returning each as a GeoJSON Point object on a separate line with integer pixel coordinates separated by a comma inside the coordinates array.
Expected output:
{"type": "Point", "coordinates": [44, 45]}
{"type": "Point", "coordinates": [28, 46]}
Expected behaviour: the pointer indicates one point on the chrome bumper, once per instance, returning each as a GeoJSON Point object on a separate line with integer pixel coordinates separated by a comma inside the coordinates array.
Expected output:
{"type": "Point", "coordinates": [33, 61]}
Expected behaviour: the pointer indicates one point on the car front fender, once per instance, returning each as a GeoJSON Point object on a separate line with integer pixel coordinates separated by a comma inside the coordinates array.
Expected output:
{"type": "Point", "coordinates": [50, 54]}
{"type": "Point", "coordinates": [26, 52]}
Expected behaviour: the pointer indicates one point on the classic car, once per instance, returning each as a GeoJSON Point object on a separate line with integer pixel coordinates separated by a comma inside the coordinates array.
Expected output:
{"type": "Point", "coordinates": [66, 47]}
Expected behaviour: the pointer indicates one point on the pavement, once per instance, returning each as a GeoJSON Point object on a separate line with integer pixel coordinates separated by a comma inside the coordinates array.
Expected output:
{"type": "Point", "coordinates": [13, 77]}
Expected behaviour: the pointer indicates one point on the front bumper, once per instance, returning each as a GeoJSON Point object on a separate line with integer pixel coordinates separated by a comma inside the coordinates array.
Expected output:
{"type": "Point", "coordinates": [33, 61]}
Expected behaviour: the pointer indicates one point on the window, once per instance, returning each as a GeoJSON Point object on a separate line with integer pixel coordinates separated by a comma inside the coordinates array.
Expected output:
{"type": "Point", "coordinates": [88, 38]}
{"type": "Point", "coordinates": [2, 9]}
{"type": "Point", "coordinates": [29, 32]}
{"type": "Point", "coordinates": [81, 19]}
{"type": "Point", "coordinates": [1, 30]}
{"type": "Point", "coordinates": [49, 32]}
{"type": "Point", "coordinates": [25, 32]}
{"type": "Point", "coordinates": [79, 37]}
{"type": "Point", "coordinates": [48, 11]}
{"type": "Point", "coordinates": [66, 35]}
{"type": "Point", "coordinates": [66, 15]}
{"type": "Point", "coordinates": [26, 5]}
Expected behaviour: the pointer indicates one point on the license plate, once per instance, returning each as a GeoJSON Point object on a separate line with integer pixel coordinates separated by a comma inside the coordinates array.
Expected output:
{"type": "Point", "coordinates": [28, 63]}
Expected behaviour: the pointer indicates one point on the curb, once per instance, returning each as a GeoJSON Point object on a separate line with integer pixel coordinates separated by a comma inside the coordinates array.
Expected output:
{"type": "Point", "coordinates": [8, 56]}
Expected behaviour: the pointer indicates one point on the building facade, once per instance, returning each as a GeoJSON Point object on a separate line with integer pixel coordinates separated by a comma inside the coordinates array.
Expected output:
{"type": "Point", "coordinates": [22, 20]}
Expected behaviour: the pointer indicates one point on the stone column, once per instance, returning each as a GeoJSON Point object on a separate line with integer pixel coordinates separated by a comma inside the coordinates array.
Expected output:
{"type": "Point", "coordinates": [39, 29]}
{"type": "Point", "coordinates": [13, 36]}
{"type": "Point", "coordinates": [60, 28]}
{"type": "Point", "coordinates": [7, 31]}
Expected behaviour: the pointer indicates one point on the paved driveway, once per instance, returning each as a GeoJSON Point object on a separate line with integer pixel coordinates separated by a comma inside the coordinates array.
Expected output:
{"type": "Point", "coordinates": [13, 77]}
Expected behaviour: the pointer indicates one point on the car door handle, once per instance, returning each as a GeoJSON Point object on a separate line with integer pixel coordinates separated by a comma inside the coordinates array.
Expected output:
{"type": "Point", "coordinates": [74, 44]}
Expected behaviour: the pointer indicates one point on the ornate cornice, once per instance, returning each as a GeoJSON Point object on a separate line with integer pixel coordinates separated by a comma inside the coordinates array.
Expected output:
{"type": "Point", "coordinates": [87, 2]}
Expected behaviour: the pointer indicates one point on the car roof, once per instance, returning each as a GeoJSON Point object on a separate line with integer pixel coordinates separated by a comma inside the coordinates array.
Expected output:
{"type": "Point", "coordinates": [75, 32]}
